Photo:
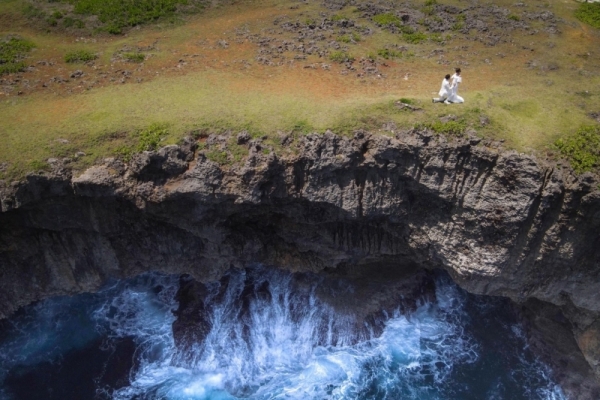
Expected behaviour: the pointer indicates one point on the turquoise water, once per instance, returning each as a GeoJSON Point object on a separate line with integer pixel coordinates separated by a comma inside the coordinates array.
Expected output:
{"type": "Point", "coordinates": [271, 336]}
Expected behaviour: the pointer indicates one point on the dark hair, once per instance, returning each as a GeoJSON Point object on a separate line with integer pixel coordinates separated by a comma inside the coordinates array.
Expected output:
{"type": "Point", "coordinates": [457, 70]}
{"type": "Point", "coordinates": [447, 76]}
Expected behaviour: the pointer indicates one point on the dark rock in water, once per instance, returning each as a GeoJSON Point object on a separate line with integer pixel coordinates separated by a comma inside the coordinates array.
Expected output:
{"type": "Point", "coordinates": [551, 337]}
{"type": "Point", "coordinates": [192, 323]}
{"type": "Point", "coordinates": [365, 300]}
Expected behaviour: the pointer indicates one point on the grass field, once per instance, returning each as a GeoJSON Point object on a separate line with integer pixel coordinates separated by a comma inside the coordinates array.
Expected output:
{"type": "Point", "coordinates": [208, 72]}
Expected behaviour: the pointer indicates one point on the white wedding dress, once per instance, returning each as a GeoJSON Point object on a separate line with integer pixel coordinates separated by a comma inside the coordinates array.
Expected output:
{"type": "Point", "coordinates": [454, 97]}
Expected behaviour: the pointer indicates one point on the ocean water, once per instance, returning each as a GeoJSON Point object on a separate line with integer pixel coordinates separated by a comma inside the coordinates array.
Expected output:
{"type": "Point", "coordinates": [267, 334]}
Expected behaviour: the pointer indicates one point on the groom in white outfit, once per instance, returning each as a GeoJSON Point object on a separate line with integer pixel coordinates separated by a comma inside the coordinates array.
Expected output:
{"type": "Point", "coordinates": [456, 80]}
{"type": "Point", "coordinates": [445, 91]}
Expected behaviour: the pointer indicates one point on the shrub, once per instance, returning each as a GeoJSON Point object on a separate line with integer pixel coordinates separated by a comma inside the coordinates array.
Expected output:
{"type": "Point", "coordinates": [589, 13]}
{"type": "Point", "coordinates": [218, 156]}
{"type": "Point", "coordinates": [456, 127]}
{"type": "Point", "coordinates": [150, 138]}
{"type": "Point", "coordinates": [69, 22]}
{"type": "Point", "coordinates": [117, 14]}
{"type": "Point", "coordinates": [386, 19]}
{"type": "Point", "coordinates": [133, 57]}
{"type": "Point", "coordinates": [37, 166]}
{"type": "Point", "coordinates": [340, 57]}
{"type": "Point", "coordinates": [302, 126]}
{"type": "Point", "coordinates": [414, 38]}
{"type": "Point", "coordinates": [514, 17]}
{"type": "Point", "coordinates": [79, 56]}
{"type": "Point", "coordinates": [12, 52]}
{"type": "Point", "coordinates": [428, 9]}
{"type": "Point", "coordinates": [387, 53]}
{"type": "Point", "coordinates": [31, 11]}
{"type": "Point", "coordinates": [581, 149]}
{"type": "Point", "coordinates": [458, 26]}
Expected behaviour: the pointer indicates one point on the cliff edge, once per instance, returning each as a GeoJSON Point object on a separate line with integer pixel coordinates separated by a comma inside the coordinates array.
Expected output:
{"type": "Point", "coordinates": [501, 223]}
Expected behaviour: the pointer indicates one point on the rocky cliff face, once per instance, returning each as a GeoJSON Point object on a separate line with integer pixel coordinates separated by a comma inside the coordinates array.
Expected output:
{"type": "Point", "coordinates": [501, 223]}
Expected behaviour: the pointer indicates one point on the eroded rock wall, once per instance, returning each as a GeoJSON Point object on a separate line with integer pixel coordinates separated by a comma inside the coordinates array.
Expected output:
{"type": "Point", "coordinates": [502, 223]}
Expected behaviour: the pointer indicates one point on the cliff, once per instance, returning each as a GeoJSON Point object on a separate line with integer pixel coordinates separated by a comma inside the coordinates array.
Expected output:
{"type": "Point", "coordinates": [501, 223]}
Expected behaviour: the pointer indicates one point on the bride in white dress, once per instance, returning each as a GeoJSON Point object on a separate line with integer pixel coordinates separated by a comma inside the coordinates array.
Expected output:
{"type": "Point", "coordinates": [455, 80]}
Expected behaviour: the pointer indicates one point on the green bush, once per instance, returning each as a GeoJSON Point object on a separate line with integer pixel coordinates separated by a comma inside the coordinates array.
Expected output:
{"type": "Point", "coordinates": [387, 53]}
{"type": "Point", "coordinates": [349, 38]}
{"type": "Point", "coordinates": [30, 11]}
{"type": "Point", "coordinates": [340, 57]}
{"type": "Point", "coordinates": [581, 149]}
{"type": "Point", "coordinates": [79, 56]}
{"type": "Point", "coordinates": [514, 17]}
{"type": "Point", "coordinates": [117, 14]}
{"type": "Point", "coordinates": [589, 13]}
{"type": "Point", "coordinates": [302, 126]}
{"type": "Point", "coordinates": [456, 128]}
{"type": "Point", "coordinates": [218, 156]}
{"type": "Point", "coordinates": [414, 38]}
{"type": "Point", "coordinates": [12, 52]}
{"type": "Point", "coordinates": [69, 22]}
{"type": "Point", "coordinates": [133, 57]}
{"type": "Point", "coordinates": [150, 138]}
{"type": "Point", "coordinates": [386, 19]}
{"type": "Point", "coordinates": [38, 166]}
{"type": "Point", "coordinates": [428, 9]}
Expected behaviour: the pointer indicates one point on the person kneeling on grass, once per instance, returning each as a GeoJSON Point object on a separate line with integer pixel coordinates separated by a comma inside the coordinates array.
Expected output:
{"type": "Point", "coordinates": [455, 81]}
{"type": "Point", "coordinates": [445, 91]}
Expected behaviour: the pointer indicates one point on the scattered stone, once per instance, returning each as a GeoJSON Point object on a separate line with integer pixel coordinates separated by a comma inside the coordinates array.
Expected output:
{"type": "Point", "coordinates": [243, 137]}
{"type": "Point", "coordinates": [63, 141]}
{"type": "Point", "coordinates": [447, 118]}
{"type": "Point", "coordinates": [404, 106]}
{"type": "Point", "coordinates": [77, 74]}
{"type": "Point", "coordinates": [595, 116]}
{"type": "Point", "coordinates": [79, 154]}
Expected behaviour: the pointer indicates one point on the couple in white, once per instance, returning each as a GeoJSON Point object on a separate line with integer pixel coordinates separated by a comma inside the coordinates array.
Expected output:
{"type": "Point", "coordinates": [449, 91]}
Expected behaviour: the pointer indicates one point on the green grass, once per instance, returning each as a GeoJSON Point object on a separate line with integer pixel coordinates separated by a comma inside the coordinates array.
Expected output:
{"type": "Point", "coordinates": [79, 56]}
{"type": "Point", "coordinates": [454, 128]}
{"type": "Point", "coordinates": [218, 156]}
{"type": "Point", "coordinates": [107, 119]}
{"type": "Point", "coordinates": [589, 13]}
{"type": "Point", "coordinates": [146, 139]}
{"type": "Point", "coordinates": [581, 149]}
{"type": "Point", "coordinates": [13, 51]}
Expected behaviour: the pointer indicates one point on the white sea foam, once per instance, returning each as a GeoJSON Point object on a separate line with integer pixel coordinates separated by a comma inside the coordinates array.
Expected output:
{"type": "Point", "coordinates": [288, 344]}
